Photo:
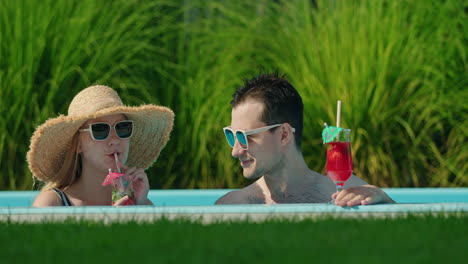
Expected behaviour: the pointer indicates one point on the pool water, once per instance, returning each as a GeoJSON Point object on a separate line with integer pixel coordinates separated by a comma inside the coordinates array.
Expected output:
{"type": "Point", "coordinates": [208, 197]}
{"type": "Point", "coordinates": [199, 204]}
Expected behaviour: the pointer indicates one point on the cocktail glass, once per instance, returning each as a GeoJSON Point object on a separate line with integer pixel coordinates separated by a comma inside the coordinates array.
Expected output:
{"type": "Point", "coordinates": [339, 162]}
{"type": "Point", "coordinates": [121, 186]}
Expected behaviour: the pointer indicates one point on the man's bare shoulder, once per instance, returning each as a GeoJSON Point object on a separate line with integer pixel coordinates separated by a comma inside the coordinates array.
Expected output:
{"type": "Point", "coordinates": [354, 181]}
{"type": "Point", "coordinates": [251, 194]}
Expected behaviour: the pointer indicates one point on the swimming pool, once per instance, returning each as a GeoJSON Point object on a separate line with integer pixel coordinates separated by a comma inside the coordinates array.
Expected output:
{"type": "Point", "coordinates": [198, 204]}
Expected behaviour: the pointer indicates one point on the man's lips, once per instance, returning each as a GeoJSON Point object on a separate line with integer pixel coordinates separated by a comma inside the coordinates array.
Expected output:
{"type": "Point", "coordinates": [246, 163]}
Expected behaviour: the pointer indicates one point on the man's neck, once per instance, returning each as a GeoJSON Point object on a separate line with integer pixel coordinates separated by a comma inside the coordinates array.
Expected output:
{"type": "Point", "coordinates": [288, 180]}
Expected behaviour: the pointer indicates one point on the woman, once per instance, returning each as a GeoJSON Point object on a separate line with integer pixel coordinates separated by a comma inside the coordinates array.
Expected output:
{"type": "Point", "coordinates": [72, 154]}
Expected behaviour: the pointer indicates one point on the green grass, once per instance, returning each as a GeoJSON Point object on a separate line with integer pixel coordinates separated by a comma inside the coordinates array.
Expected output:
{"type": "Point", "coordinates": [398, 66]}
{"type": "Point", "coordinates": [413, 239]}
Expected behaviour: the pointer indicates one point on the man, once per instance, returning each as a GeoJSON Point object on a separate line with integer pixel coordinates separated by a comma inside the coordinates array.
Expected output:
{"type": "Point", "coordinates": [265, 134]}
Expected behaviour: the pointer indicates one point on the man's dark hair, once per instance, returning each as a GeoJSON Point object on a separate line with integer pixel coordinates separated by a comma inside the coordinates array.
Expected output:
{"type": "Point", "coordinates": [283, 104]}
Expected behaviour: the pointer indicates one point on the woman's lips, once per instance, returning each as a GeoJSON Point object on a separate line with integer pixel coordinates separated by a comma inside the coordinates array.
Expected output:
{"type": "Point", "coordinates": [112, 155]}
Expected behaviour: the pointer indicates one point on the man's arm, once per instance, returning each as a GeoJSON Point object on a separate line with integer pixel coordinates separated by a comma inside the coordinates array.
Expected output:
{"type": "Point", "coordinates": [359, 192]}
{"type": "Point", "coordinates": [361, 195]}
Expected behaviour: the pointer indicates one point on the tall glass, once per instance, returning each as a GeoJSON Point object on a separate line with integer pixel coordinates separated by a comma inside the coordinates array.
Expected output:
{"type": "Point", "coordinates": [339, 162]}
{"type": "Point", "coordinates": [122, 186]}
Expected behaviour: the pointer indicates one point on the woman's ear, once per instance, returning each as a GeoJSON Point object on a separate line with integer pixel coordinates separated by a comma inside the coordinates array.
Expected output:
{"type": "Point", "coordinates": [78, 147]}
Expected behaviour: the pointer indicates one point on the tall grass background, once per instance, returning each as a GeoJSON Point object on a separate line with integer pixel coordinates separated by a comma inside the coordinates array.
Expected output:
{"type": "Point", "coordinates": [399, 67]}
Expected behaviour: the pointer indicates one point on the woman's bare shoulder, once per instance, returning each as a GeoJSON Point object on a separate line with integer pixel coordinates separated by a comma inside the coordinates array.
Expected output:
{"type": "Point", "coordinates": [47, 198]}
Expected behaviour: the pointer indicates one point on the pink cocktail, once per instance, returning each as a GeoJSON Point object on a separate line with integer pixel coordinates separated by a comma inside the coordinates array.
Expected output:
{"type": "Point", "coordinates": [121, 186]}
{"type": "Point", "coordinates": [339, 162]}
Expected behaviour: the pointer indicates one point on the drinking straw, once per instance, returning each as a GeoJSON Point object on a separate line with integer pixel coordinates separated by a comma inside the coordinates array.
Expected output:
{"type": "Point", "coordinates": [338, 113]}
{"type": "Point", "coordinates": [117, 163]}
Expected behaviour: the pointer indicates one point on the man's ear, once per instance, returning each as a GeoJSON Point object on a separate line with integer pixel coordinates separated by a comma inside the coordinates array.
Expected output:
{"type": "Point", "coordinates": [287, 135]}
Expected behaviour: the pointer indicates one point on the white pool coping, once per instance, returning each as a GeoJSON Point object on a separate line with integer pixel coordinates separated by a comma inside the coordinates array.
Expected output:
{"type": "Point", "coordinates": [213, 213]}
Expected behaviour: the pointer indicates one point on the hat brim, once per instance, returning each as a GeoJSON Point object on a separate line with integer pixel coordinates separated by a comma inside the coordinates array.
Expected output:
{"type": "Point", "coordinates": [51, 140]}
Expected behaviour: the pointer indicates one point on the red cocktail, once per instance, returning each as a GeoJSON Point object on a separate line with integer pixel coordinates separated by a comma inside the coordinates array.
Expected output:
{"type": "Point", "coordinates": [339, 162]}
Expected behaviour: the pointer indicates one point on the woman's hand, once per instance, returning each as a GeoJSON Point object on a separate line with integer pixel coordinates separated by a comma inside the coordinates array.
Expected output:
{"type": "Point", "coordinates": [122, 201]}
{"type": "Point", "coordinates": [361, 195]}
{"type": "Point", "coordinates": [140, 184]}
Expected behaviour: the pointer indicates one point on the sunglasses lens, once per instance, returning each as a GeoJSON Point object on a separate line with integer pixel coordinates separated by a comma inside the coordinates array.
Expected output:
{"type": "Point", "coordinates": [100, 131]}
{"type": "Point", "coordinates": [242, 138]}
{"type": "Point", "coordinates": [124, 129]}
{"type": "Point", "coordinates": [230, 137]}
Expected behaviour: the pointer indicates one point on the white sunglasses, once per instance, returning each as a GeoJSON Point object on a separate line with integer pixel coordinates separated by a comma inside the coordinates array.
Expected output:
{"type": "Point", "coordinates": [241, 135]}
{"type": "Point", "coordinates": [100, 131]}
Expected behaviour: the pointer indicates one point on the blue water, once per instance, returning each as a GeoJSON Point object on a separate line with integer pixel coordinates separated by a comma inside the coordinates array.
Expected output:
{"type": "Point", "coordinates": [208, 197]}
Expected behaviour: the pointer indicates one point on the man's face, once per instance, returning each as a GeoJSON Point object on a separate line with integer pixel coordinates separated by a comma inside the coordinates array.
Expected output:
{"type": "Point", "coordinates": [264, 152]}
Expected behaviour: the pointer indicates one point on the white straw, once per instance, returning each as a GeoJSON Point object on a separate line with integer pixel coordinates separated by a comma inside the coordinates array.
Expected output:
{"type": "Point", "coordinates": [338, 113]}
{"type": "Point", "coordinates": [117, 163]}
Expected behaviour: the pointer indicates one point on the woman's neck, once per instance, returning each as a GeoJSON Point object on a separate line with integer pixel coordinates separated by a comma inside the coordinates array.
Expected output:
{"type": "Point", "coordinates": [88, 189]}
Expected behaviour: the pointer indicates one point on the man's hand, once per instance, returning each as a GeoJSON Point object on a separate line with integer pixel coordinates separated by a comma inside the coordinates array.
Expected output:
{"type": "Point", "coordinates": [361, 195]}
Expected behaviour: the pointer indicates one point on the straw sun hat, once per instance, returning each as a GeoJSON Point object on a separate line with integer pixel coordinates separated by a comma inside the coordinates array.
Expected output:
{"type": "Point", "coordinates": [50, 141]}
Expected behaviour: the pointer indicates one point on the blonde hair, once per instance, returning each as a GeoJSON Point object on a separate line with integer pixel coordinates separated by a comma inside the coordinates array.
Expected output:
{"type": "Point", "coordinates": [70, 170]}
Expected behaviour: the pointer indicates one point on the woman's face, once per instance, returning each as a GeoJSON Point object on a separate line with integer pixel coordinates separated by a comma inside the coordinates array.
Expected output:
{"type": "Point", "coordinates": [100, 154]}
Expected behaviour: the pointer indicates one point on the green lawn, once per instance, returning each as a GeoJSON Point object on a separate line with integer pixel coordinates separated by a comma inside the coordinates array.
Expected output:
{"type": "Point", "coordinates": [428, 239]}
